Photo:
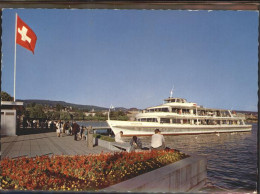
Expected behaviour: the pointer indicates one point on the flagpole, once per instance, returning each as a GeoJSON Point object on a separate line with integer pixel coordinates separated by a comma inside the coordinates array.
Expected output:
{"type": "Point", "coordinates": [15, 54]}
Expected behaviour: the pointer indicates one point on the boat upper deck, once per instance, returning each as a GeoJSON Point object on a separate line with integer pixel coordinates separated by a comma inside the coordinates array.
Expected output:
{"type": "Point", "coordinates": [180, 103]}
{"type": "Point", "coordinates": [178, 100]}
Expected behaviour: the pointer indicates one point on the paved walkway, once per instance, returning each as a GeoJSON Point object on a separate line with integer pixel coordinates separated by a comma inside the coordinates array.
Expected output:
{"type": "Point", "coordinates": [45, 144]}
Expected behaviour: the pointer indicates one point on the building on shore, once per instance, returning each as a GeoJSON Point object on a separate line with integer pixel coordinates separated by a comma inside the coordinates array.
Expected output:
{"type": "Point", "coordinates": [9, 117]}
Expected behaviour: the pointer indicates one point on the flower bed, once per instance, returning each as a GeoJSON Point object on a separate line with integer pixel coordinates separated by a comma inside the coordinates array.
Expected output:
{"type": "Point", "coordinates": [81, 173]}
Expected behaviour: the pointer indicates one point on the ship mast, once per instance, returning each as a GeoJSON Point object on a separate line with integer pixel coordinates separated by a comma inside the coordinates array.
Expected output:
{"type": "Point", "coordinates": [171, 92]}
{"type": "Point", "coordinates": [111, 107]}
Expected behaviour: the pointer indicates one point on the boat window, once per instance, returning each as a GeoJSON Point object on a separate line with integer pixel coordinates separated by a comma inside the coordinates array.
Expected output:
{"type": "Point", "coordinates": [165, 120]}
{"type": "Point", "coordinates": [204, 122]}
{"type": "Point", "coordinates": [151, 120]}
{"type": "Point", "coordinates": [185, 111]}
{"type": "Point", "coordinates": [186, 121]}
{"type": "Point", "coordinates": [165, 110]}
{"type": "Point", "coordinates": [175, 110]}
{"type": "Point", "coordinates": [148, 120]}
{"type": "Point", "coordinates": [177, 121]}
{"type": "Point", "coordinates": [201, 112]}
{"type": "Point", "coordinates": [242, 122]}
{"type": "Point", "coordinates": [197, 122]}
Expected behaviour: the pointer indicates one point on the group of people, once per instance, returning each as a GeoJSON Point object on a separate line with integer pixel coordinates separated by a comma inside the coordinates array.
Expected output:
{"type": "Point", "coordinates": [70, 129]}
{"type": "Point", "coordinates": [157, 141]}
{"type": "Point", "coordinates": [35, 124]}
{"type": "Point", "coordinates": [40, 123]}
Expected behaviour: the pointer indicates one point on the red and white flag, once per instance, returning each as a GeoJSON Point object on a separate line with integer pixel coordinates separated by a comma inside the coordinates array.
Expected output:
{"type": "Point", "coordinates": [25, 36]}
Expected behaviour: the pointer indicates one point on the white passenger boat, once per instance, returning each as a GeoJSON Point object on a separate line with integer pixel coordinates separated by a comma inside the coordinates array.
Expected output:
{"type": "Point", "coordinates": [178, 117]}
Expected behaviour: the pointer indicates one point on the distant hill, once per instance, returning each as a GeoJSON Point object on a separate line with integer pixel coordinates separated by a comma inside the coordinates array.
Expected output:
{"type": "Point", "coordinates": [90, 107]}
{"type": "Point", "coordinates": [247, 112]}
{"type": "Point", "coordinates": [65, 104]}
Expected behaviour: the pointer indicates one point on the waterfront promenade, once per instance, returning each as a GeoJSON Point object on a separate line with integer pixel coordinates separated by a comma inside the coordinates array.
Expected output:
{"type": "Point", "coordinates": [32, 145]}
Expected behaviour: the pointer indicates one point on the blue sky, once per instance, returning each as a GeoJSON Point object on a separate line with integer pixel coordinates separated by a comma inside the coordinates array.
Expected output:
{"type": "Point", "coordinates": [132, 58]}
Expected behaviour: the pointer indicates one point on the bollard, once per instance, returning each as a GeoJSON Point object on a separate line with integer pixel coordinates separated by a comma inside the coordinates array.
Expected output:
{"type": "Point", "coordinates": [90, 137]}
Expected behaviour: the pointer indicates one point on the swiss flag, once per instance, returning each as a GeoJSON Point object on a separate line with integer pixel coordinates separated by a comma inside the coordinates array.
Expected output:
{"type": "Point", "coordinates": [25, 36]}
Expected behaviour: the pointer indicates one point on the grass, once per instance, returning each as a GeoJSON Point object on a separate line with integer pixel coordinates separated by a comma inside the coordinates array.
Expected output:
{"type": "Point", "coordinates": [103, 137]}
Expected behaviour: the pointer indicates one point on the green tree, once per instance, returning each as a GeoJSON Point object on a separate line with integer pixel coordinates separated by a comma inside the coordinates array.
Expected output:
{"type": "Point", "coordinates": [27, 114]}
{"type": "Point", "coordinates": [59, 107]}
{"type": "Point", "coordinates": [118, 115]}
{"type": "Point", "coordinates": [64, 116]}
{"type": "Point", "coordinates": [36, 112]}
{"type": "Point", "coordinates": [99, 116]}
{"type": "Point", "coordinates": [52, 115]}
{"type": "Point", "coordinates": [79, 115]}
{"type": "Point", "coordinates": [6, 97]}
{"type": "Point", "coordinates": [31, 105]}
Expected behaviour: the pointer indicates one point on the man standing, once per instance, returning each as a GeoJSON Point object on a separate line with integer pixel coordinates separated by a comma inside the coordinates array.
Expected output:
{"type": "Point", "coordinates": [65, 127]}
{"type": "Point", "coordinates": [158, 142]}
{"type": "Point", "coordinates": [59, 128]}
{"type": "Point", "coordinates": [75, 130]}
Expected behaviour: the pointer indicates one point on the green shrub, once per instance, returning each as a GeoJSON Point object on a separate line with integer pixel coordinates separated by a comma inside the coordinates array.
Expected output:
{"type": "Point", "coordinates": [103, 137]}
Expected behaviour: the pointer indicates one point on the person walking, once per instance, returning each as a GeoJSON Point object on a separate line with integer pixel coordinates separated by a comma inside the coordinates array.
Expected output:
{"type": "Point", "coordinates": [34, 123]}
{"type": "Point", "coordinates": [70, 128]}
{"type": "Point", "coordinates": [86, 133]}
{"type": "Point", "coordinates": [135, 144]}
{"type": "Point", "coordinates": [75, 130]}
{"type": "Point", "coordinates": [59, 128]}
{"type": "Point", "coordinates": [158, 141]}
{"type": "Point", "coordinates": [65, 127]}
{"type": "Point", "coordinates": [28, 124]}
{"type": "Point", "coordinates": [81, 131]}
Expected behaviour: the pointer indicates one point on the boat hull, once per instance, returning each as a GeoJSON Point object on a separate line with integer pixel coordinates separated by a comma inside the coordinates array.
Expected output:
{"type": "Point", "coordinates": [131, 128]}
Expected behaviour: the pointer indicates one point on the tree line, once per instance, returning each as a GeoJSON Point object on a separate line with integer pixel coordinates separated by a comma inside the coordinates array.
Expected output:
{"type": "Point", "coordinates": [59, 112]}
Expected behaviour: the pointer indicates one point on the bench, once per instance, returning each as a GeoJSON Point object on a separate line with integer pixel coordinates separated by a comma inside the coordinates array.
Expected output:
{"type": "Point", "coordinates": [122, 146]}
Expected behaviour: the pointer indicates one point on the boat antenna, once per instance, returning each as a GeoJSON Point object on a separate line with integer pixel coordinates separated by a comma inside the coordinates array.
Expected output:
{"type": "Point", "coordinates": [231, 110]}
{"type": "Point", "coordinates": [111, 107]}
{"type": "Point", "coordinates": [171, 92]}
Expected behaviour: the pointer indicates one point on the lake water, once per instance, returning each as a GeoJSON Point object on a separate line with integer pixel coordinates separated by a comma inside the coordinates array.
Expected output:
{"type": "Point", "coordinates": [232, 157]}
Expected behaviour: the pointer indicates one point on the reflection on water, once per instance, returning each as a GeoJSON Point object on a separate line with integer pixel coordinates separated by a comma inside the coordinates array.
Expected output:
{"type": "Point", "coordinates": [93, 123]}
{"type": "Point", "coordinates": [232, 157]}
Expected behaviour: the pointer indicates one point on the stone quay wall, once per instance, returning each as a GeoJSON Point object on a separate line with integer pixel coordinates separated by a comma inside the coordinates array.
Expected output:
{"type": "Point", "coordinates": [187, 175]}
{"type": "Point", "coordinates": [105, 144]}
